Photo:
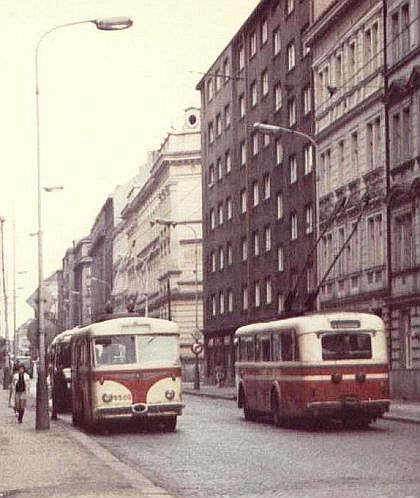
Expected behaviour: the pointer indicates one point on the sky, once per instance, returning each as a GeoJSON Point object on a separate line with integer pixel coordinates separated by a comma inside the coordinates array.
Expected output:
{"type": "Point", "coordinates": [106, 98]}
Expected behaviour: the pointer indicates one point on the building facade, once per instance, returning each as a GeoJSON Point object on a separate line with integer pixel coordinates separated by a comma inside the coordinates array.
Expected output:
{"type": "Point", "coordinates": [403, 108]}
{"type": "Point", "coordinates": [81, 294]}
{"type": "Point", "coordinates": [66, 298]}
{"type": "Point", "coordinates": [101, 265]}
{"type": "Point", "coordinates": [258, 189]}
{"type": "Point", "coordinates": [162, 229]}
{"type": "Point", "coordinates": [347, 44]}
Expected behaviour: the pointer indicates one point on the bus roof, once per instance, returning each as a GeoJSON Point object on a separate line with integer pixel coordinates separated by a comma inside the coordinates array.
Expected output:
{"type": "Point", "coordinates": [64, 336]}
{"type": "Point", "coordinates": [138, 325]}
{"type": "Point", "coordinates": [315, 322]}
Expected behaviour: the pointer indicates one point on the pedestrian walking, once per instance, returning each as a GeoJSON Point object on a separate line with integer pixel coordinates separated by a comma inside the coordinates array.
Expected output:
{"type": "Point", "coordinates": [21, 384]}
{"type": "Point", "coordinates": [220, 375]}
{"type": "Point", "coordinates": [11, 388]}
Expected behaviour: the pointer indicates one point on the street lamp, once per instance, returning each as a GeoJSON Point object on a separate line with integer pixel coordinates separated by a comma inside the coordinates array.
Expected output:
{"type": "Point", "coordinates": [42, 420]}
{"type": "Point", "coordinates": [196, 334]}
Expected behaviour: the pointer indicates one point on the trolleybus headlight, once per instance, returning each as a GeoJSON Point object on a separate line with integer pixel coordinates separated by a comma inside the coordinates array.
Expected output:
{"type": "Point", "coordinates": [336, 378]}
{"type": "Point", "coordinates": [170, 394]}
{"type": "Point", "coordinates": [107, 398]}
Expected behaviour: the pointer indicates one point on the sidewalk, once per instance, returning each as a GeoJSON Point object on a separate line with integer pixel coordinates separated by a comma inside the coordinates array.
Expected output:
{"type": "Point", "coordinates": [401, 411]}
{"type": "Point", "coordinates": [61, 462]}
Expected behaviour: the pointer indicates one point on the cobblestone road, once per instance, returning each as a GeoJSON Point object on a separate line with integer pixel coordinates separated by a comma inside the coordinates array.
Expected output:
{"type": "Point", "coordinates": [215, 453]}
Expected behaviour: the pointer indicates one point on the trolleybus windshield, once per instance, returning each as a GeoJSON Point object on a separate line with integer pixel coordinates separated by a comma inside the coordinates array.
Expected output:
{"type": "Point", "coordinates": [346, 346]}
{"type": "Point", "coordinates": [129, 349]}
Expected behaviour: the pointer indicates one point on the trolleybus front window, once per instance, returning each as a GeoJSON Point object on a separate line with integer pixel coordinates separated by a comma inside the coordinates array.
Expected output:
{"type": "Point", "coordinates": [346, 346]}
{"type": "Point", "coordinates": [115, 350]}
{"type": "Point", "coordinates": [152, 348]}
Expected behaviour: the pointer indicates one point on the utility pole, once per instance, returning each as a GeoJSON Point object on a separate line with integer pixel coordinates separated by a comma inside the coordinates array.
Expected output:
{"type": "Point", "coordinates": [3, 273]}
{"type": "Point", "coordinates": [14, 290]}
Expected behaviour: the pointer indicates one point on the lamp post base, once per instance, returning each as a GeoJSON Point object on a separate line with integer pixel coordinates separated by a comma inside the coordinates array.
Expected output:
{"type": "Point", "coordinates": [42, 420]}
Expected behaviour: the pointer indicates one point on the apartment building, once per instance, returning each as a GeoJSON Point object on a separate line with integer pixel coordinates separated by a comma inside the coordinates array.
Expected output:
{"type": "Point", "coordinates": [161, 236]}
{"type": "Point", "coordinates": [403, 109]}
{"type": "Point", "coordinates": [346, 40]}
{"type": "Point", "coordinates": [258, 189]}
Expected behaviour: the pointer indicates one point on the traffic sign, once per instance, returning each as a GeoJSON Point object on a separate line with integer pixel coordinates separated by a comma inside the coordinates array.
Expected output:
{"type": "Point", "coordinates": [197, 348]}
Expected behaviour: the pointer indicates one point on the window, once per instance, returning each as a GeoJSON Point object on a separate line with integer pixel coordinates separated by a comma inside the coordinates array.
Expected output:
{"type": "Point", "coordinates": [277, 97]}
{"type": "Point", "coordinates": [291, 56]}
{"type": "Point", "coordinates": [220, 213]}
{"type": "Point", "coordinates": [255, 138]}
{"type": "Point", "coordinates": [352, 59]}
{"type": "Point", "coordinates": [290, 5]}
{"type": "Point", "coordinates": [266, 139]}
{"type": "Point", "coordinates": [227, 116]}
{"type": "Point", "coordinates": [405, 28]}
{"type": "Point", "coordinates": [226, 70]}
{"type": "Point", "coordinates": [221, 303]}
{"type": "Point", "coordinates": [257, 294]}
{"type": "Point", "coordinates": [267, 238]}
{"type": "Point", "coordinates": [293, 169]}
{"type": "Point", "coordinates": [396, 139]}
{"type": "Point", "coordinates": [211, 175]}
{"type": "Point", "coordinates": [221, 258]}
{"type": "Point", "coordinates": [406, 133]}
{"type": "Point", "coordinates": [228, 162]}
{"type": "Point", "coordinates": [255, 194]}
{"type": "Point", "coordinates": [229, 296]}
{"type": "Point", "coordinates": [256, 243]}
{"type": "Point", "coordinates": [279, 151]}
{"type": "Point", "coordinates": [264, 32]}
{"type": "Point", "coordinates": [406, 340]}
{"type": "Point", "coordinates": [244, 249]}
{"type": "Point", "coordinates": [213, 306]}
{"type": "Point", "coordinates": [307, 100]}
{"type": "Point", "coordinates": [266, 187]}
{"type": "Point", "coordinates": [280, 303]}
{"type": "Point", "coordinates": [326, 169]}
{"type": "Point", "coordinates": [355, 152]}
{"type": "Point", "coordinates": [346, 346]}
{"type": "Point", "coordinates": [338, 76]}
{"type": "Point", "coordinates": [375, 240]}
{"type": "Point", "coordinates": [276, 41]}
{"type": "Point", "coordinates": [213, 261]}
{"type": "Point", "coordinates": [367, 51]}
{"type": "Point", "coordinates": [404, 254]}
{"type": "Point", "coordinates": [291, 112]}
{"type": "Point", "coordinates": [307, 159]}
{"type": "Point", "coordinates": [229, 253]}
{"type": "Point", "coordinates": [241, 58]}
{"type": "Point", "coordinates": [210, 91]}
{"type": "Point", "coordinates": [280, 258]}
{"type": "Point", "coordinates": [253, 44]}
{"type": "Point", "coordinates": [279, 205]}
{"type": "Point", "coordinates": [219, 169]}
{"type": "Point", "coordinates": [218, 125]}
{"type": "Point", "coordinates": [245, 297]}
{"type": "Point", "coordinates": [212, 219]}
{"type": "Point", "coordinates": [243, 153]}
{"type": "Point", "coordinates": [228, 208]}
{"type": "Point", "coordinates": [253, 91]}
{"type": "Point", "coordinates": [218, 80]}
{"type": "Point", "coordinates": [293, 226]}
{"type": "Point", "coordinates": [264, 82]}
{"type": "Point", "coordinates": [268, 291]}
{"type": "Point", "coordinates": [241, 105]}
{"type": "Point", "coordinates": [341, 161]}
{"type": "Point", "coordinates": [243, 201]}
{"type": "Point", "coordinates": [211, 133]}
{"type": "Point", "coordinates": [309, 218]}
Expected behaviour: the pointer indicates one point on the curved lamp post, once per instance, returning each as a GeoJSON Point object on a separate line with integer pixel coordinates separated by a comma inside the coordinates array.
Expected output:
{"type": "Point", "coordinates": [42, 419]}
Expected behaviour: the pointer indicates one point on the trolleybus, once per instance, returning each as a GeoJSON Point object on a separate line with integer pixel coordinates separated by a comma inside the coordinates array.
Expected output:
{"type": "Point", "coordinates": [60, 371]}
{"type": "Point", "coordinates": [330, 365]}
{"type": "Point", "coordinates": [127, 368]}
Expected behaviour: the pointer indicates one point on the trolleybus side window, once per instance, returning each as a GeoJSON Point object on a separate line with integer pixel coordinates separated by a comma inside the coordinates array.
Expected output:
{"type": "Point", "coordinates": [250, 349]}
{"type": "Point", "coordinates": [285, 346]}
{"type": "Point", "coordinates": [265, 348]}
{"type": "Point", "coordinates": [346, 346]}
{"type": "Point", "coordinates": [276, 347]}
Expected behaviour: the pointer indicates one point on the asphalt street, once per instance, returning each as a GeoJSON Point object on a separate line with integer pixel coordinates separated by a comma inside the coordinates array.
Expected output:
{"type": "Point", "coordinates": [216, 453]}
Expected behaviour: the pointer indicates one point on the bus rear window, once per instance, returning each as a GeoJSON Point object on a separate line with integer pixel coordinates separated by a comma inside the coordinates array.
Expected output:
{"type": "Point", "coordinates": [342, 346]}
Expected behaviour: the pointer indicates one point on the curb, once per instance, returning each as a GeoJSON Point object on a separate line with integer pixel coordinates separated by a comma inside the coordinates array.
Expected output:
{"type": "Point", "coordinates": [134, 477]}
{"type": "Point", "coordinates": [405, 420]}
{"type": "Point", "coordinates": [230, 397]}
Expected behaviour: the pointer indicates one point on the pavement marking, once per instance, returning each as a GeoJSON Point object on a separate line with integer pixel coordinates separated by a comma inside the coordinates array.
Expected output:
{"type": "Point", "coordinates": [135, 478]}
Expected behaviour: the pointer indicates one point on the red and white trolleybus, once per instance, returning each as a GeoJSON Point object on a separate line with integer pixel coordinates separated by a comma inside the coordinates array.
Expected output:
{"type": "Point", "coordinates": [327, 365]}
{"type": "Point", "coordinates": [127, 368]}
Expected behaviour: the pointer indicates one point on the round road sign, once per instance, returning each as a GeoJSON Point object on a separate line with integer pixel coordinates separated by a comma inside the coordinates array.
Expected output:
{"type": "Point", "coordinates": [197, 348]}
